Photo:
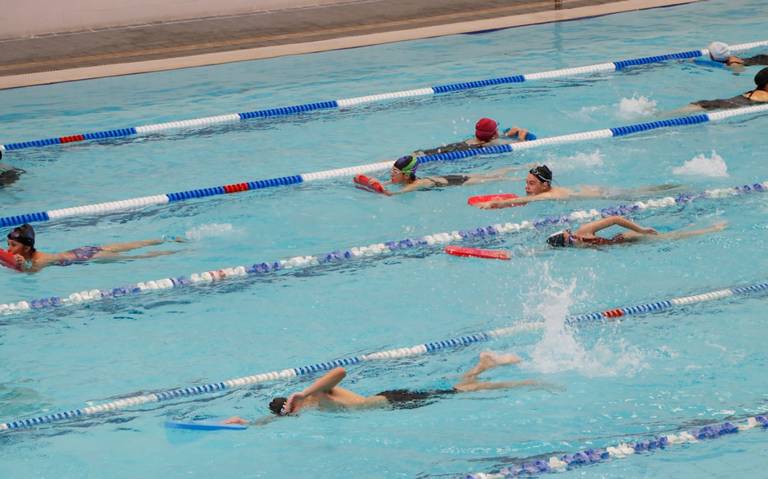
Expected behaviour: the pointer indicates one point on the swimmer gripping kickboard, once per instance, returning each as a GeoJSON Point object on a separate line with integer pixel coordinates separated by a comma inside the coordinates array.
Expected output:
{"type": "Point", "coordinates": [366, 183]}
{"type": "Point", "coordinates": [477, 252]}
{"type": "Point", "coordinates": [474, 200]}
{"type": "Point", "coordinates": [204, 426]}
{"type": "Point", "coordinates": [8, 259]}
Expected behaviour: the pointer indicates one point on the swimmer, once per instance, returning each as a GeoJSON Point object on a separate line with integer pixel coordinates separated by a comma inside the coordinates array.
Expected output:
{"type": "Point", "coordinates": [486, 134]}
{"type": "Point", "coordinates": [21, 243]}
{"type": "Point", "coordinates": [8, 174]}
{"type": "Point", "coordinates": [585, 235]}
{"type": "Point", "coordinates": [404, 173]}
{"type": "Point", "coordinates": [538, 187]}
{"type": "Point", "coordinates": [326, 394]}
{"type": "Point", "coordinates": [720, 52]}
{"type": "Point", "coordinates": [758, 96]}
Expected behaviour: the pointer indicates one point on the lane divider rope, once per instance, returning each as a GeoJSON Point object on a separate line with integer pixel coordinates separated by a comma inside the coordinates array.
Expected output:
{"type": "Point", "coordinates": [378, 249]}
{"type": "Point", "coordinates": [349, 102]}
{"type": "Point", "coordinates": [417, 350]}
{"type": "Point", "coordinates": [598, 455]}
{"type": "Point", "coordinates": [141, 202]}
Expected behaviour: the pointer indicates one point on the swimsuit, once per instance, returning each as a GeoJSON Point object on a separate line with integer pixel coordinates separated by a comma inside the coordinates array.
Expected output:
{"type": "Point", "coordinates": [450, 180]}
{"type": "Point", "coordinates": [598, 241]}
{"type": "Point", "coordinates": [408, 399]}
{"type": "Point", "coordinates": [82, 254]}
{"type": "Point", "coordinates": [460, 146]}
{"type": "Point", "coordinates": [756, 60]}
{"type": "Point", "coordinates": [735, 102]}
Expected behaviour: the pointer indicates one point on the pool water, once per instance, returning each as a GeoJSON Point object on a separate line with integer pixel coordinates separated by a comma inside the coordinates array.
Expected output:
{"type": "Point", "coordinates": [612, 382]}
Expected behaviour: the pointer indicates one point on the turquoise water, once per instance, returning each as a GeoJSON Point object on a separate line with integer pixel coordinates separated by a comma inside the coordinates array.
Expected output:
{"type": "Point", "coordinates": [621, 381]}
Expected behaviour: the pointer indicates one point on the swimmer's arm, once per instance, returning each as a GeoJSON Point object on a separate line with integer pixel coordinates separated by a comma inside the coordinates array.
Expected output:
{"type": "Point", "coordinates": [325, 384]}
{"type": "Point", "coordinates": [596, 226]}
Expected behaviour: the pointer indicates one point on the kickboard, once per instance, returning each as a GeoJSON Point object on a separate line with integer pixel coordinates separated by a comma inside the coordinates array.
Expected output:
{"type": "Point", "coordinates": [204, 426]}
{"type": "Point", "coordinates": [478, 253]}
{"type": "Point", "coordinates": [373, 185]}
{"type": "Point", "coordinates": [473, 200]}
{"type": "Point", "coordinates": [8, 259]}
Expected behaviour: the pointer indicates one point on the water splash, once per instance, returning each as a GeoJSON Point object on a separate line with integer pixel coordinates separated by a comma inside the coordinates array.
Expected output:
{"type": "Point", "coordinates": [635, 107]}
{"type": "Point", "coordinates": [701, 165]}
{"type": "Point", "coordinates": [559, 350]}
{"type": "Point", "coordinates": [210, 230]}
{"type": "Point", "coordinates": [578, 161]}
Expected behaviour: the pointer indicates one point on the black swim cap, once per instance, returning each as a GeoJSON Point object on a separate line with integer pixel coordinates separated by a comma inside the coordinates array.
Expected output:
{"type": "Point", "coordinates": [761, 79]}
{"type": "Point", "coordinates": [276, 405]}
{"type": "Point", "coordinates": [557, 240]}
{"type": "Point", "coordinates": [23, 234]}
{"type": "Point", "coordinates": [542, 173]}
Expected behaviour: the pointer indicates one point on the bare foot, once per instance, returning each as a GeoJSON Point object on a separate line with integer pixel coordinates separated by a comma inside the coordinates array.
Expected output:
{"type": "Point", "coordinates": [235, 420]}
{"type": "Point", "coordinates": [720, 226]}
{"type": "Point", "coordinates": [492, 359]}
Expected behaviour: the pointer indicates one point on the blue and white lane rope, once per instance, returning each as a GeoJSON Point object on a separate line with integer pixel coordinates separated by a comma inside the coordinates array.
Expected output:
{"type": "Point", "coordinates": [350, 102]}
{"type": "Point", "coordinates": [598, 455]}
{"type": "Point", "coordinates": [378, 249]}
{"type": "Point", "coordinates": [136, 203]}
{"type": "Point", "coordinates": [417, 350]}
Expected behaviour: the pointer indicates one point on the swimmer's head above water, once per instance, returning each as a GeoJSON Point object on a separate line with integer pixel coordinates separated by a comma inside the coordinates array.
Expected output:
{"type": "Point", "coordinates": [21, 240]}
{"type": "Point", "coordinates": [404, 169]}
{"type": "Point", "coordinates": [277, 406]}
{"type": "Point", "coordinates": [719, 51]}
{"type": "Point", "coordinates": [539, 180]}
{"type": "Point", "coordinates": [561, 239]}
{"type": "Point", "coordinates": [486, 129]}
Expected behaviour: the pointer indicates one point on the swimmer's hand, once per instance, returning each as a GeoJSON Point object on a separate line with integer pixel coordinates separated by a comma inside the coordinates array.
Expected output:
{"type": "Point", "coordinates": [649, 231]}
{"type": "Point", "coordinates": [19, 261]}
{"type": "Point", "coordinates": [293, 402]}
{"type": "Point", "coordinates": [235, 420]}
{"type": "Point", "coordinates": [488, 205]}
{"type": "Point", "coordinates": [515, 132]}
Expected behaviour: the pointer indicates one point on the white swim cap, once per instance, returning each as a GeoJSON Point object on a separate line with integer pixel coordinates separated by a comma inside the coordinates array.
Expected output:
{"type": "Point", "coordinates": [719, 51]}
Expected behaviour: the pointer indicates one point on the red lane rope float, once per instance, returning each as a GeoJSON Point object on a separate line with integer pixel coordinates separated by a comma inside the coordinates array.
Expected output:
{"type": "Point", "coordinates": [478, 253]}
{"type": "Point", "coordinates": [8, 259]}
{"type": "Point", "coordinates": [473, 200]}
{"type": "Point", "coordinates": [366, 183]}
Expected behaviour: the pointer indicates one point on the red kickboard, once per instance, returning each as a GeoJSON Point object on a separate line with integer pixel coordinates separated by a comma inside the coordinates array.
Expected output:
{"type": "Point", "coordinates": [478, 253]}
{"type": "Point", "coordinates": [8, 259]}
{"type": "Point", "coordinates": [368, 184]}
{"type": "Point", "coordinates": [473, 200]}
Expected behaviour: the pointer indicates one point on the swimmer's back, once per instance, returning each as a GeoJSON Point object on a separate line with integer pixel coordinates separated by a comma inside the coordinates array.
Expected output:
{"type": "Point", "coordinates": [737, 101]}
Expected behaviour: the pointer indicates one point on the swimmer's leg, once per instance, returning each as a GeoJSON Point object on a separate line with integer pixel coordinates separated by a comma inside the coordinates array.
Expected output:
{"type": "Point", "coordinates": [119, 247]}
{"type": "Point", "coordinates": [110, 256]}
{"type": "Point", "coordinates": [687, 234]}
{"type": "Point", "coordinates": [497, 175]}
{"type": "Point", "coordinates": [488, 360]}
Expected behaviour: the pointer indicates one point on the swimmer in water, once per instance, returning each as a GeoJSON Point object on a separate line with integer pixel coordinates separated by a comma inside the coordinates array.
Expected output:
{"type": "Point", "coordinates": [486, 134]}
{"type": "Point", "coordinates": [538, 187]}
{"type": "Point", "coordinates": [21, 243]}
{"type": "Point", "coordinates": [585, 235]}
{"type": "Point", "coordinates": [720, 52]}
{"type": "Point", "coordinates": [326, 394]}
{"type": "Point", "coordinates": [8, 174]}
{"type": "Point", "coordinates": [758, 96]}
{"type": "Point", "coordinates": [404, 173]}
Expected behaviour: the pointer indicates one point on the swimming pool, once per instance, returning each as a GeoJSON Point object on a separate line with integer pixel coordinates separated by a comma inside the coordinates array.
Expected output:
{"type": "Point", "coordinates": [646, 375]}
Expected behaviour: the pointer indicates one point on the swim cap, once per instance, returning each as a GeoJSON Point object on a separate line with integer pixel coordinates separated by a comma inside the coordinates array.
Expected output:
{"type": "Point", "coordinates": [719, 51]}
{"type": "Point", "coordinates": [761, 79]}
{"type": "Point", "coordinates": [486, 129]}
{"type": "Point", "coordinates": [277, 405]}
{"type": "Point", "coordinates": [543, 173]}
{"type": "Point", "coordinates": [23, 234]}
{"type": "Point", "coordinates": [407, 164]}
{"type": "Point", "coordinates": [557, 240]}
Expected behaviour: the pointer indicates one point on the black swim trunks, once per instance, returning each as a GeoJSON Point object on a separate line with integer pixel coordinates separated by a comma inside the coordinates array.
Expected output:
{"type": "Point", "coordinates": [450, 180]}
{"type": "Point", "coordinates": [761, 59]}
{"type": "Point", "coordinates": [407, 399]}
{"type": "Point", "coordinates": [460, 146]}
{"type": "Point", "coordinates": [736, 102]}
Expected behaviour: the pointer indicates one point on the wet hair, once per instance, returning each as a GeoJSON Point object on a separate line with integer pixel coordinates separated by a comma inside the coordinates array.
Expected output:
{"type": "Point", "coordinates": [407, 165]}
{"type": "Point", "coordinates": [557, 240]}
{"type": "Point", "coordinates": [761, 79]}
{"type": "Point", "coordinates": [543, 173]}
{"type": "Point", "coordinates": [24, 234]}
{"type": "Point", "coordinates": [277, 404]}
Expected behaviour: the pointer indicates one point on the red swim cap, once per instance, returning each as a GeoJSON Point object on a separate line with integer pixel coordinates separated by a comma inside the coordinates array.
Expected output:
{"type": "Point", "coordinates": [485, 129]}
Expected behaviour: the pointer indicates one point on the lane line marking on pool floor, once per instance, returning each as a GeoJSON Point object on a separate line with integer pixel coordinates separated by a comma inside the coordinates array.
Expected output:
{"type": "Point", "coordinates": [349, 102]}
{"type": "Point", "coordinates": [417, 350]}
{"type": "Point", "coordinates": [162, 199]}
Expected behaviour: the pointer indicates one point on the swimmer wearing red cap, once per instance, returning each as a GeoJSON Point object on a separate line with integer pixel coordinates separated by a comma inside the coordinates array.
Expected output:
{"type": "Point", "coordinates": [486, 134]}
{"type": "Point", "coordinates": [21, 243]}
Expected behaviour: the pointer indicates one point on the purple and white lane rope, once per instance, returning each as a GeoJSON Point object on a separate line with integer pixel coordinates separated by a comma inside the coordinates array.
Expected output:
{"type": "Point", "coordinates": [372, 250]}
{"type": "Point", "coordinates": [350, 102]}
{"type": "Point", "coordinates": [135, 203]}
{"type": "Point", "coordinates": [417, 350]}
{"type": "Point", "coordinates": [599, 455]}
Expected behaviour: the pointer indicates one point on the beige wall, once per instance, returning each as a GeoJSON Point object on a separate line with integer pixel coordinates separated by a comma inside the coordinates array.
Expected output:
{"type": "Point", "coordinates": [24, 18]}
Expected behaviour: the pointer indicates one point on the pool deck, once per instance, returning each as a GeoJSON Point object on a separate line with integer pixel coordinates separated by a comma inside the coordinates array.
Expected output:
{"type": "Point", "coordinates": [165, 46]}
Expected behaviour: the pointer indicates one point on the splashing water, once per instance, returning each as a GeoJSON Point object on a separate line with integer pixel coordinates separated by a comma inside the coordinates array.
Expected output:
{"type": "Point", "coordinates": [701, 165]}
{"type": "Point", "coordinates": [635, 107]}
{"type": "Point", "coordinates": [577, 161]}
{"type": "Point", "coordinates": [560, 351]}
{"type": "Point", "coordinates": [211, 230]}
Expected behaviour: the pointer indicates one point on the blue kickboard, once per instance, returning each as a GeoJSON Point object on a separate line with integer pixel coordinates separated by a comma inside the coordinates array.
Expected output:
{"type": "Point", "coordinates": [204, 426]}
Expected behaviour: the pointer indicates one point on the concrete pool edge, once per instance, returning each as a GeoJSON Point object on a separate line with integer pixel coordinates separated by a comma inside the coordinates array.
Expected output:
{"type": "Point", "coordinates": [217, 58]}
